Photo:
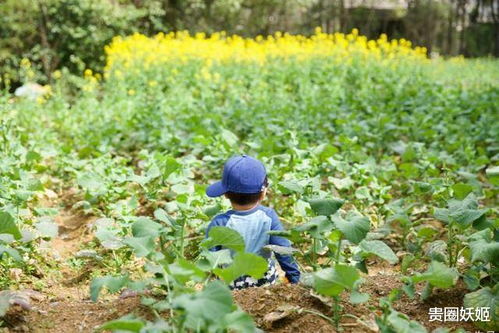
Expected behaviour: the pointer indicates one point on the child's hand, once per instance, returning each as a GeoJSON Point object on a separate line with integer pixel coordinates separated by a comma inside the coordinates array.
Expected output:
{"type": "Point", "coordinates": [284, 280]}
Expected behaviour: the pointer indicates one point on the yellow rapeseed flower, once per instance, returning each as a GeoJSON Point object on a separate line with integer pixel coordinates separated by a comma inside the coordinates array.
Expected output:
{"type": "Point", "coordinates": [138, 52]}
{"type": "Point", "coordinates": [57, 74]}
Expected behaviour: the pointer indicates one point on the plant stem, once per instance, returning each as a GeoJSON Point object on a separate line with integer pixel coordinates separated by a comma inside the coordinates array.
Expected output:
{"type": "Point", "coordinates": [338, 252]}
{"type": "Point", "coordinates": [360, 321]}
{"type": "Point", "coordinates": [336, 304]}
{"type": "Point", "coordinates": [181, 242]}
{"type": "Point", "coordinates": [318, 314]}
{"type": "Point", "coordinates": [169, 294]}
{"type": "Point", "coordinates": [450, 242]}
{"type": "Point", "coordinates": [336, 312]}
{"type": "Point", "coordinates": [314, 247]}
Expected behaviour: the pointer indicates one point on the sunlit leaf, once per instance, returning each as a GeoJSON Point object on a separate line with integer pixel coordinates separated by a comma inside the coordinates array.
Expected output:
{"type": "Point", "coordinates": [225, 237]}
{"type": "Point", "coordinates": [332, 281]}
{"type": "Point", "coordinates": [243, 264]}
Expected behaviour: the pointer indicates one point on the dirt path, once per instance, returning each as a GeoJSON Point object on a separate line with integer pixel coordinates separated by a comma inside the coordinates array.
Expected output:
{"type": "Point", "coordinates": [64, 304]}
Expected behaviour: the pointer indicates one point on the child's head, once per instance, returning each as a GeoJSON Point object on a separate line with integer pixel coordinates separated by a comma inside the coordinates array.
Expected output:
{"type": "Point", "coordinates": [244, 181]}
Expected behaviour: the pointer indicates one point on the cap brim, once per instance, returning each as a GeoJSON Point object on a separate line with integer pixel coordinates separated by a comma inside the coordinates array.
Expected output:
{"type": "Point", "coordinates": [216, 189]}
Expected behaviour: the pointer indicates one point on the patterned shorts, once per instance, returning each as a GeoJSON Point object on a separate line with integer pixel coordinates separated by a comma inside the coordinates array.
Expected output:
{"type": "Point", "coordinates": [246, 281]}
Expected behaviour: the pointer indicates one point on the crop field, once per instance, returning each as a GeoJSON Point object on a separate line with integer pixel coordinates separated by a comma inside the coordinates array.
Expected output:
{"type": "Point", "coordinates": [383, 167]}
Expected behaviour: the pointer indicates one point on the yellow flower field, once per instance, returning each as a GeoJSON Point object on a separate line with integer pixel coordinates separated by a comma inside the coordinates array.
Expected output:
{"type": "Point", "coordinates": [140, 50]}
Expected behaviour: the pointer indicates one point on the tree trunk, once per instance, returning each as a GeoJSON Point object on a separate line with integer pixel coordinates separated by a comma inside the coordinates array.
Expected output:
{"type": "Point", "coordinates": [450, 28]}
{"type": "Point", "coordinates": [45, 56]}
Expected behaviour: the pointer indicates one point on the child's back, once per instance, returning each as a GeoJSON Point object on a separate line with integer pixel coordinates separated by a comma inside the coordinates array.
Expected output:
{"type": "Point", "coordinates": [244, 184]}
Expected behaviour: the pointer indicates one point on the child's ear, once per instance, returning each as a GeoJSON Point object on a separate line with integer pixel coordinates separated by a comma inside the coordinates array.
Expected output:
{"type": "Point", "coordinates": [264, 193]}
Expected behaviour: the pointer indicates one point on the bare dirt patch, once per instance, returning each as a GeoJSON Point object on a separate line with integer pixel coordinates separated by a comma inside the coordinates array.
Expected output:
{"type": "Point", "coordinates": [259, 302]}
{"type": "Point", "coordinates": [70, 314]}
{"type": "Point", "coordinates": [275, 300]}
{"type": "Point", "coordinates": [302, 306]}
{"type": "Point", "coordinates": [418, 310]}
{"type": "Point", "coordinates": [64, 305]}
{"type": "Point", "coordinates": [74, 231]}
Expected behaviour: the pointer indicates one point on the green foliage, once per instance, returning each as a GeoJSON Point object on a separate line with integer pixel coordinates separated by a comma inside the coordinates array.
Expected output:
{"type": "Point", "coordinates": [485, 298]}
{"type": "Point", "coordinates": [354, 227]}
{"type": "Point", "coordinates": [332, 281]}
{"type": "Point", "coordinates": [8, 226]}
{"type": "Point", "coordinates": [379, 249]}
{"type": "Point", "coordinates": [65, 33]}
{"type": "Point", "coordinates": [226, 237]}
{"type": "Point", "coordinates": [112, 283]}
{"type": "Point", "coordinates": [213, 310]}
{"type": "Point", "coordinates": [438, 275]}
{"type": "Point", "coordinates": [483, 247]}
{"type": "Point", "coordinates": [325, 206]}
{"type": "Point", "coordinates": [123, 324]}
{"type": "Point", "coordinates": [244, 264]}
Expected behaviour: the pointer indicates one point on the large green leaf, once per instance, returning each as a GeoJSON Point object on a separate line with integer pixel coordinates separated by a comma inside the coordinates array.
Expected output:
{"type": "Point", "coordinates": [243, 264]}
{"type": "Point", "coordinates": [463, 212]}
{"type": "Point", "coordinates": [8, 226]}
{"type": "Point", "coordinates": [291, 186]}
{"type": "Point", "coordinates": [13, 253]}
{"type": "Point", "coordinates": [442, 214]}
{"type": "Point", "coordinates": [485, 298]}
{"type": "Point", "coordinates": [225, 237]}
{"type": "Point", "coordinates": [353, 227]}
{"type": "Point", "coordinates": [145, 227]}
{"type": "Point", "coordinates": [208, 310]}
{"type": "Point", "coordinates": [316, 226]}
{"type": "Point", "coordinates": [47, 227]}
{"type": "Point", "coordinates": [325, 206]}
{"type": "Point", "coordinates": [109, 239]}
{"type": "Point", "coordinates": [379, 249]}
{"type": "Point", "coordinates": [215, 259]}
{"type": "Point", "coordinates": [162, 215]}
{"type": "Point", "coordinates": [438, 275]}
{"type": "Point", "coordinates": [461, 190]}
{"type": "Point", "coordinates": [112, 283]}
{"type": "Point", "coordinates": [239, 321]}
{"type": "Point", "coordinates": [402, 324]}
{"type": "Point", "coordinates": [230, 138]}
{"type": "Point", "coordinates": [484, 247]}
{"type": "Point", "coordinates": [142, 246]}
{"type": "Point", "coordinates": [437, 250]}
{"type": "Point", "coordinates": [125, 324]}
{"type": "Point", "coordinates": [91, 182]}
{"type": "Point", "coordinates": [184, 270]}
{"type": "Point", "coordinates": [467, 216]}
{"type": "Point", "coordinates": [332, 281]}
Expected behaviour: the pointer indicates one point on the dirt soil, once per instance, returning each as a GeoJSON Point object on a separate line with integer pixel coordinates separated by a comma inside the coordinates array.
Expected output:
{"type": "Point", "coordinates": [277, 308]}
{"type": "Point", "coordinates": [64, 306]}
{"type": "Point", "coordinates": [290, 308]}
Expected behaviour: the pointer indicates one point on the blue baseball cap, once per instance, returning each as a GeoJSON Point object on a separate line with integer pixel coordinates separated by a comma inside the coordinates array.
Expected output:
{"type": "Point", "coordinates": [242, 174]}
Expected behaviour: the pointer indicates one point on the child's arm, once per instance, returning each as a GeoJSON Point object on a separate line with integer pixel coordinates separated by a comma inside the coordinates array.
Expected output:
{"type": "Point", "coordinates": [287, 262]}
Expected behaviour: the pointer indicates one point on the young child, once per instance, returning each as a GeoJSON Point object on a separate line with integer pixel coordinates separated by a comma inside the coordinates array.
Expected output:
{"type": "Point", "coordinates": [244, 183]}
